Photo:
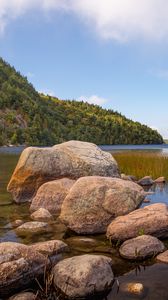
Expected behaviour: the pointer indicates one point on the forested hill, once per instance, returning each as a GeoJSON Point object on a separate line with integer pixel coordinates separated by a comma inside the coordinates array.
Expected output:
{"type": "Point", "coordinates": [27, 117]}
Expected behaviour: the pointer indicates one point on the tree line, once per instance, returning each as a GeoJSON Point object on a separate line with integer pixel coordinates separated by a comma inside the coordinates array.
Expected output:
{"type": "Point", "coordinates": [30, 118]}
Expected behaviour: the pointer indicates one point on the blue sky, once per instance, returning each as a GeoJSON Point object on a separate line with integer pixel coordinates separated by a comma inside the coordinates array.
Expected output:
{"type": "Point", "coordinates": [113, 52]}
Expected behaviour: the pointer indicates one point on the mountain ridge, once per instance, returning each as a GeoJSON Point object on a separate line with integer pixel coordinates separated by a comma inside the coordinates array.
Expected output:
{"type": "Point", "coordinates": [30, 118]}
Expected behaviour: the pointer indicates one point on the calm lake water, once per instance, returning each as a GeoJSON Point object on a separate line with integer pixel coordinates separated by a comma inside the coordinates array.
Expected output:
{"type": "Point", "coordinates": [152, 275]}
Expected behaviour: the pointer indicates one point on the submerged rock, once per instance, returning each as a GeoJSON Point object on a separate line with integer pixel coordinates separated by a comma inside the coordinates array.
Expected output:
{"type": "Point", "coordinates": [83, 276]}
{"type": "Point", "coordinates": [19, 266]}
{"type": "Point", "coordinates": [163, 257]}
{"type": "Point", "coordinates": [141, 247]}
{"type": "Point", "coordinates": [146, 200]}
{"type": "Point", "coordinates": [145, 181]}
{"type": "Point", "coordinates": [84, 244]}
{"type": "Point", "coordinates": [72, 159]}
{"type": "Point", "coordinates": [51, 195]}
{"type": "Point", "coordinates": [32, 227]}
{"type": "Point", "coordinates": [94, 201]}
{"type": "Point", "coordinates": [152, 220]}
{"type": "Point", "coordinates": [52, 249]}
{"type": "Point", "coordinates": [24, 296]}
{"type": "Point", "coordinates": [42, 214]}
{"type": "Point", "coordinates": [133, 288]}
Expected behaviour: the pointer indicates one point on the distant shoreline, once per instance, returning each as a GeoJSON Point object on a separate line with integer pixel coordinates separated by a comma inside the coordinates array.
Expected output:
{"type": "Point", "coordinates": [163, 147]}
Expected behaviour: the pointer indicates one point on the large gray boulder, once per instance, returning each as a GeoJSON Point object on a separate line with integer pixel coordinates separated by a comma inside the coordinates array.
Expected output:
{"type": "Point", "coordinates": [93, 202]}
{"type": "Point", "coordinates": [51, 195]}
{"type": "Point", "coordinates": [152, 220]}
{"type": "Point", "coordinates": [19, 266]}
{"type": "Point", "coordinates": [72, 159]}
{"type": "Point", "coordinates": [141, 247]}
{"type": "Point", "coordinates": [83, 276]}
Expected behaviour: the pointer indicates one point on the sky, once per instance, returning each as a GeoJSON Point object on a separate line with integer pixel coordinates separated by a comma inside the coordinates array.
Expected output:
{"type": "Point", "coordinates": [113, 53]}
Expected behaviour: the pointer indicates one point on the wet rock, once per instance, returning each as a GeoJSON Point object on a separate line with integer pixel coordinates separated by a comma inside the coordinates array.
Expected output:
{"type": "Point", "coordinates": [94, 201]}
{"type": "Point", "coordinates": [152, 220]}
{"type": "Point", "coordinates": [84, 244]}
{"type": "Point", "coordinates": [19, 266]}
{"type": "Point", "coordinates": [32, 227]}
{"type": "Point", "coordinates": [141, 247]}
{"type": "Point", "coordinates": [51, 195]}
{"type": "Point", "coordinates": [52, 249]}
{"type": "Point", "coordinates": [24, 296]}
{"type": "Point", "coordinates": [72, 159]}
{"type": "Point", "coordinates": [163, 257]}
{"type": "Point", "coordinates": [145, 181]}
{"type": "Point", "coordinates": [134, 178]}
{"type": "Point", "coordinates": [160, 180]}
{"type": "Point", "coordinates": [85, 275]}
{"type": "Point", "coordinates": [14, 224]}
{"type": "Point", "coordinates": [42, 214]}
{"type": "Point", "coordinates": [146, 200]}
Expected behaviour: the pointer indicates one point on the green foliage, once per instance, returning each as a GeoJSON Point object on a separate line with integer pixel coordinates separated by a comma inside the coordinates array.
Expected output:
{"type": "Point", "coordinates": [27, 117]}
{"type": "Point", "coordinates": [141, 231]}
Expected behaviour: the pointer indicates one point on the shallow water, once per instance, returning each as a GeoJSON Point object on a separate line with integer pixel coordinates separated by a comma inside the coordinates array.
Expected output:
{"type": "Point", "coordinates": [152, 275]}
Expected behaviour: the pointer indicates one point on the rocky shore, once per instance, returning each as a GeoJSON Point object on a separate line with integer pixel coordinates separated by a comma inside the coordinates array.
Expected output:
{"type": "Point", "coordinates": [82, 186]}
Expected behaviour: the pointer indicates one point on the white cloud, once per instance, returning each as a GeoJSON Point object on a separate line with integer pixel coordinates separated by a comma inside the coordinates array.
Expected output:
{"type": "Point", "coordinates": [121, 20]}
{"type": "Point", "coordinates": [93, 99]}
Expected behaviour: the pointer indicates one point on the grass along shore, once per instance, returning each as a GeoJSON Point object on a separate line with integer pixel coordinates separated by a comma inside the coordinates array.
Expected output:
{"type": "Point", "coordinates": [142, 164]}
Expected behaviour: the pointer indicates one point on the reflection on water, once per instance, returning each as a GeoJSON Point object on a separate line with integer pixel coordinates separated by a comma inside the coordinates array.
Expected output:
{"type": "Point", "coordinates": [152, 275]}
{"type": "Point", "coordinates": [157, 148]}
{"type": "Point", "coordinates": [153, 278]}
{"type": "Point", "coordinates": [160, 193]}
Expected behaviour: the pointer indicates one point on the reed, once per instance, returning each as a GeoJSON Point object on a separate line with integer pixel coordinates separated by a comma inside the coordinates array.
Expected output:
{"type": "Point", "coordinates": [142, 164]}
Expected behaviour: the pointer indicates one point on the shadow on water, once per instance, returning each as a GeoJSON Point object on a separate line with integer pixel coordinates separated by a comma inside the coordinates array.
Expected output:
{"type": "Point", "coordinates": [152, 275]}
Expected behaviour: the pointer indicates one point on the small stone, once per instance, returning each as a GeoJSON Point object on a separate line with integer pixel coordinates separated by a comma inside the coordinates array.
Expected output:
{"type": "Point", "coordinates": [126, 177]}
{"type": "Point", "coordinates": [146, 200]}
{"type": "Point", "coordinates": [24, 296]}
{"type": "Point", "coordinates": [163, 257]}
{"type": "Point", "coordinates": [17, 223]}
{"type": "Point", "coordinates": [42, 214]}
{"type": "Point", "coordinates": [51, 249]}
{"type": "Point", "coordinates": [160, 180]}
{"type": "Point", "coordinates": [135, 288]}
{"type": "Point", "coordinates": [32, 227]}
{"type": "Point", "coordinates": [145, 181]}
{"type": "Point", "coordinates": [134, 178]}
{"type": "Point", "coordinates": [141, 247]}
{"type": "Point", "coordinates": [14, 224]}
